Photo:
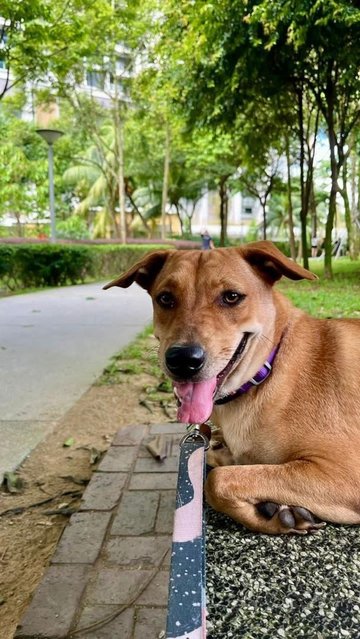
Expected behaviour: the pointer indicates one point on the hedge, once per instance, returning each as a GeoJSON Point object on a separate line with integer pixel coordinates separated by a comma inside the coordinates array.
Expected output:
{"type": "Point", "coordinates": [40, 265]}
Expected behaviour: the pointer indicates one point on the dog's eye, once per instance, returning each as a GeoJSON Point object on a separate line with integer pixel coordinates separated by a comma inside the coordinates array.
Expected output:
{"type": "Point", "coordinates": [166, 300]}
{"type": "Point", "coordinates": [231, 298]}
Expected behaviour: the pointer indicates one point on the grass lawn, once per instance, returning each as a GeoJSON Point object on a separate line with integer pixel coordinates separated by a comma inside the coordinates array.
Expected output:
{"type": "Point", "coordinates": [339, 297]}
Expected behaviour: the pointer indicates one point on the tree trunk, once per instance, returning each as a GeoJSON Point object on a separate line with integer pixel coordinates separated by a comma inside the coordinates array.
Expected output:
{"type": "Point", "coordinates": [328, 273]}
{"type": "Point", "coordinates": [290, 205]}
{"type": "Point", "coordinates": [121, 173]}
{"type": "Point", "coordinates": [356, 216]}
{"type": "Point", "coordinates": [312, 206]}
{"type": "Point", "coordinates": [136, 209]}
{"type": "Point", "coordinates": [263, 206]}
{"type": "Point", "coordinates": [223, 209]}
{"type": "Point", "coordinates": [345, 196]}
{"type": "Point", "coordinates": [303, 211]}
{"type": "Point", "coordinates": [180, 219]}
{"type": "Point", "coordinates": [165, 187]}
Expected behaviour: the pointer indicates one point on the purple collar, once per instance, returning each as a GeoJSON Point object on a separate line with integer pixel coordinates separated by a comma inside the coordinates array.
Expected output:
{"type": "Point", "coordinates": [258, 379]}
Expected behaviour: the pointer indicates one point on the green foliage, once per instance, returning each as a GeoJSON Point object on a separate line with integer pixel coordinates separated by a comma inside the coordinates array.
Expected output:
{"type": "Point", "coordinates": [39, 265]}
{"type": "Point", "coordinates": [23, 179]}
{"type": "Point", "coordinates": [57, 37]}
{"type": "Point", "coordinates": [74, 228]}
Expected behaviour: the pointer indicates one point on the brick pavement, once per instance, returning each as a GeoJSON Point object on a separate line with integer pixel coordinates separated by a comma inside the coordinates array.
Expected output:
{"type": "Point", "coordinates": [111, 547]}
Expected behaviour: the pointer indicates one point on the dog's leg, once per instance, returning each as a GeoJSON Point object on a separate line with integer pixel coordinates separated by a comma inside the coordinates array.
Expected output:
{"type": "Point", "coordinates": [282, 498]}
{"type": "Point", "coordinates": [219, 457]}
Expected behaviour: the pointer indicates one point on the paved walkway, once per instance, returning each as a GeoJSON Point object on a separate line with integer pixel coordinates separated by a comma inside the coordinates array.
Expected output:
{"type": "Point", "coordinates": [112, 546]}
{"type": "Point", "coordinates": [53, 345]}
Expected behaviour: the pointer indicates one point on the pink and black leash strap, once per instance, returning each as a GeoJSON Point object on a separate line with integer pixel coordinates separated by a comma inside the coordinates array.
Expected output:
{"type": "Point", "coordinates": [187, 605]}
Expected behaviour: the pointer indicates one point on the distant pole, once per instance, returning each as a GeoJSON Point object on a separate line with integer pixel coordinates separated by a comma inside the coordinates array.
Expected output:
{"type": "Point", "coordinates": [50, 136]}
{"type": "Point", "coordinates": [51, 193]}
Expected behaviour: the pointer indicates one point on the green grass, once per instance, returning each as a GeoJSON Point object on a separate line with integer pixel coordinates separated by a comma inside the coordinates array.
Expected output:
{"type": "Point", "coordinates": [339, 297]}
{"type": "Point", "coordinates": [138, 357]}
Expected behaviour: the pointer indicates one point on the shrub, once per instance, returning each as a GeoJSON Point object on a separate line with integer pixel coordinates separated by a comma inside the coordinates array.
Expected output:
{"type": "Point", "coordinates": [40, 265]}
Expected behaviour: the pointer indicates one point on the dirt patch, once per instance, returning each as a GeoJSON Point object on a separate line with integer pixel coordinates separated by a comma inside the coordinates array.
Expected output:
{"type": "Point", "coordinates": [59, 474]}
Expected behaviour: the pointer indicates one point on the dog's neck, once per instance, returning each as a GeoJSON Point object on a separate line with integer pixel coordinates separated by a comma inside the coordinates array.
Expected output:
{"type": "Point", "coordinates": [262, 374]}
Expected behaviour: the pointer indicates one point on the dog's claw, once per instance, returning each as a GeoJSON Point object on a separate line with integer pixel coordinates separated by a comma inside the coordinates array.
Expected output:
{"type": "Point", "coordinates": [291, 519]}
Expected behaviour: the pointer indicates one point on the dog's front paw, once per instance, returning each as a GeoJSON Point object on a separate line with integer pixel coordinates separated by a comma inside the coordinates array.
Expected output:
{"type": "Point", "coordinates": [289, 519]}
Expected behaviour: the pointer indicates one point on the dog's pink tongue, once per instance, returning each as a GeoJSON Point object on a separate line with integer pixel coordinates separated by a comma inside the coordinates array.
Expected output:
{"type": "Point", "coordinates": [196, 400]}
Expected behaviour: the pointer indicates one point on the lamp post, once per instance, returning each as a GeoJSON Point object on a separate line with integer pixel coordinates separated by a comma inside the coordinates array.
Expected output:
{"type": "Point", "coordinates": [50, 136]}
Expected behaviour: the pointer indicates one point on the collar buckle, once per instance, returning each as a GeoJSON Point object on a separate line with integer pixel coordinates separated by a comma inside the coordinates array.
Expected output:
{"type": "Point", "coordinates": [257, 382]}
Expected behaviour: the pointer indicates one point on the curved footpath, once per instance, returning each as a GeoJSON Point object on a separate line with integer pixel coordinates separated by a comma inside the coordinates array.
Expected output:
{"type": "Point", "coordinates": [53, 346]}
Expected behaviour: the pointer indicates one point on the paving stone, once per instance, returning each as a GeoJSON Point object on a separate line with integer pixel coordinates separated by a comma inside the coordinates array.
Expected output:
{"type": "Point", "coordinates": [138, 552]}
{"type": "Point", "coordinates": [118, 459]}
{"type": "Point", "coordinates": [103, 491]}
{"type": "Point", "coordinates": [54, 604]}
{"type": "Point", "coordinates": [117, 586]}
{"type": "Point", "coordinates": [154, 618]}
{"type": "Point", "coordinates": [156, 594]}
{"type": "Point", "coordinates": [136, 514]}
{"type": "Point", "coordinates": [130, 436]}
{"type": "Point", "coordinates": [151, 465]}
{"type": "Point", "coordinates": [165, 516]}
{"type": "Point", "coordinates": [82, 538]}
{"type": "Point", "coordinates": [174, 441]}
{"type": "Point", "coordinates": [169, 428]}
{"type": "Point", "coordinates": [121, 627]}
{"type": "Point", "coordinates": [153, 481]}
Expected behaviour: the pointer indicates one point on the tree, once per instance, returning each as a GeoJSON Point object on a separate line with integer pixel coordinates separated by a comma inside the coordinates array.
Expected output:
{"type": "Point", "coordinates": [228, 54]}
{"type": "Point", "coordinates": [23, 178]}
{"type": "Point", "coordinates": [52, 40]}
{"type": "Point", "coordinates": [259, 180]}
{"type": "Point", "coordinates": [323, 40]}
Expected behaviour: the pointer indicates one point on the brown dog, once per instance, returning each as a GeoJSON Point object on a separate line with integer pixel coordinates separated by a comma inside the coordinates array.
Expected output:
{"type": "Point", "coordinates": [292, 434]}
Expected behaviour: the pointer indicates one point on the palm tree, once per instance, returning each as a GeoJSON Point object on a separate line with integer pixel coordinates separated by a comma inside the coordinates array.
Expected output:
{"type": "Point", "coordinates": [95, 174]}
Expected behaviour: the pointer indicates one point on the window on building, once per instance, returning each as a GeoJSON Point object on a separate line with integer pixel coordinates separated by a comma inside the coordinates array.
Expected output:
{"type": "Point", "coordinates": [248, 211]}
{"type": "Point", "coordinates": [95, 79]}
{"type": "Point", "coordinates": [3, 40]}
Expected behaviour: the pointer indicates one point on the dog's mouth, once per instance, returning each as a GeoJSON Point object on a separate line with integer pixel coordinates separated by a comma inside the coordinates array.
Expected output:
{"type": "Point", "coordinates": [196, 399]}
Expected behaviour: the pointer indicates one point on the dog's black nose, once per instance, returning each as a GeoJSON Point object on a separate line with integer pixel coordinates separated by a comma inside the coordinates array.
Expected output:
{"type": "Point", "coordinates": [185, 360]}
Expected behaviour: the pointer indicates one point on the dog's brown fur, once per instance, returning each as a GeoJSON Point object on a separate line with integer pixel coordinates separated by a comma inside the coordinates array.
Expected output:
{"type": "Point", "coordinates": [294, 440]}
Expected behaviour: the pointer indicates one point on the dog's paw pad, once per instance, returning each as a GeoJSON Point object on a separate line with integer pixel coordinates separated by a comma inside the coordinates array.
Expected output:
{"type": "Point", "coordinates": [267, 509]}
{"type": "Point", "coordinates": [291, 519]}
{"type": "Point", "coordinates": [287, 517]}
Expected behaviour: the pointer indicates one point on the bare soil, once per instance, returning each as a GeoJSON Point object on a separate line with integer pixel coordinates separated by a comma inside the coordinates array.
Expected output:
{"type": "Point", "coordinates": [59, 474]}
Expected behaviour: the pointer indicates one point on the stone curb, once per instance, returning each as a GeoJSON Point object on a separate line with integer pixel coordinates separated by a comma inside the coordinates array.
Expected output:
{"type": "Point", "coordinates": [112, 547]}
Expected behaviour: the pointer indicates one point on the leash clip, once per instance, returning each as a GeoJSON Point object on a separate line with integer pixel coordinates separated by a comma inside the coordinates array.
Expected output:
{"type": "Point", "coordinates": [193, 434]}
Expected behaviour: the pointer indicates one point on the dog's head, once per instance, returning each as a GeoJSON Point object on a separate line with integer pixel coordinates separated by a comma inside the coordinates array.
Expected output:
{"type": "Point", "coordinates": [214, 316]}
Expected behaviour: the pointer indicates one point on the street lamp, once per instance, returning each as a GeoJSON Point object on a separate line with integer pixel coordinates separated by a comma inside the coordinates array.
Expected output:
{"type": "Point", "coordinates": [50, 136]}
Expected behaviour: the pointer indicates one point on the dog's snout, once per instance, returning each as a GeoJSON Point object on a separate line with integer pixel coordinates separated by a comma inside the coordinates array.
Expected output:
{"type": "Point", "coordinates": [185, 360]}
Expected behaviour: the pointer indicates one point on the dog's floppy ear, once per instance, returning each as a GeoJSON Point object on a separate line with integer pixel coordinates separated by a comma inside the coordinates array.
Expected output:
{"type": "Point", "coordinates": [266, 258]}
{"type": "Point", "coordinates": [143, 272]}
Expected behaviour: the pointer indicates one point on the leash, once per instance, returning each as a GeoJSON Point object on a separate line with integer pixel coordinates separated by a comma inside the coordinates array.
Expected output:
{"type": "Point", "coordinates": [187, 605]}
